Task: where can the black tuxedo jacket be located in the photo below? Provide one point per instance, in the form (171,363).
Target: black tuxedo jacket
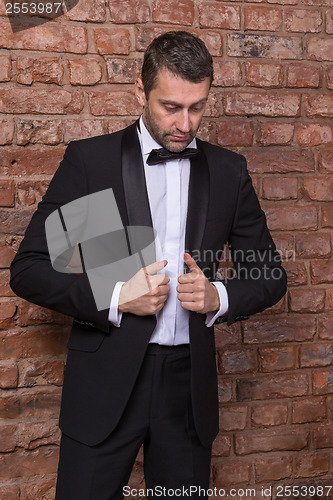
(103,361)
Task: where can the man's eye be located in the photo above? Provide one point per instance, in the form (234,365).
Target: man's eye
(171,108)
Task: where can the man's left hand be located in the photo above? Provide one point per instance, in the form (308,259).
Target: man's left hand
(195,292)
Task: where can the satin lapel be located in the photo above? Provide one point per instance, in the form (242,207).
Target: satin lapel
(134,181)
(198,199)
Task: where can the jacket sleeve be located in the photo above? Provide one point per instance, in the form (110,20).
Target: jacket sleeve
(260,280)
(32,275)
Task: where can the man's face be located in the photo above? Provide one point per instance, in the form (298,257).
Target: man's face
(174,109)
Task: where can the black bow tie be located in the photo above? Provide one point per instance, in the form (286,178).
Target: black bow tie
(161,155)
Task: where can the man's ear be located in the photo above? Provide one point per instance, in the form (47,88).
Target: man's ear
(140,92)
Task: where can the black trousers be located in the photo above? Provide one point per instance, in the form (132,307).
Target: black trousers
(159,416)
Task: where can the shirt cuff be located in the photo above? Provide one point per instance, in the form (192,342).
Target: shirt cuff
(211,317)
(114,315)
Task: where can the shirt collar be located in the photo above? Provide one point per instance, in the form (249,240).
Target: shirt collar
(148,142)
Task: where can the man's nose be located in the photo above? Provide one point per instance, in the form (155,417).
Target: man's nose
(183,122)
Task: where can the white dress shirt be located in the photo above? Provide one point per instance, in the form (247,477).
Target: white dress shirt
(167,187)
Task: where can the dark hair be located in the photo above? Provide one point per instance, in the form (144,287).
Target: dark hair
(180,52)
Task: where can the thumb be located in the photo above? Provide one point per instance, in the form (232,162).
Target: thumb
(155,267)
(190,262)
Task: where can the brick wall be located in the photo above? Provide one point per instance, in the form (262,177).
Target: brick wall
(272,100)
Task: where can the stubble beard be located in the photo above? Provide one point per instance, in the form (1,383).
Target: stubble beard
(164,138)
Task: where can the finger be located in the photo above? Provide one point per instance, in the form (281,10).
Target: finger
(187,278)
(190,262)
(155,267)
(185,288)
(186,297)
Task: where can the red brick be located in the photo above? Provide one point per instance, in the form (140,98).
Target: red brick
(234,133)
(40,403)
(267,46)
(233,418)
(329,21)
(303,75)
(217,15)
(323,382)
(6,254)
(7,438)
(173,11)
(123,70)
(31,192)
(327,216)
(115,124)
(227,74)
(273,359)
(41,69)
(214,104)
(31,314)
(225,390)
(84,71)
(6,132)
(264,75)
(41,488)
(82,129)
(330,299)
(279,160)
(88,10)
(14,222)
(316,355)
(303,20)
(38,132)
(321,271)
(30,161)
(269,414)
(320,49)
(5,68)
(227,336)
(296,273)
(262,18)
(231,473)
(308,410)
(129,11)
(7,313)
(9,491)
(43,373)
(286,329)
(221,446)
(113,103)
(31,435)
(318,189)
(325,327)
(7,193)
(311,465)
(313,245)
(329,77)
(245,103)
(26,463)
(283,188)
(207,131)
(213,42)
(273,469)
(238,361)
(310,300)
(112,40)
(326,161)
(270,440)
(5,289)
(285,246)
(273,386)
(9,375)
(291,218)
(54,37)
(21,100)
(276,133)
(314,135)
(34,341)
(323,436)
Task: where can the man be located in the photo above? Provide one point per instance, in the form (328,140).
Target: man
(143,370)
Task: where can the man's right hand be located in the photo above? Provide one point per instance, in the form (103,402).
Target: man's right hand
(146,292)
